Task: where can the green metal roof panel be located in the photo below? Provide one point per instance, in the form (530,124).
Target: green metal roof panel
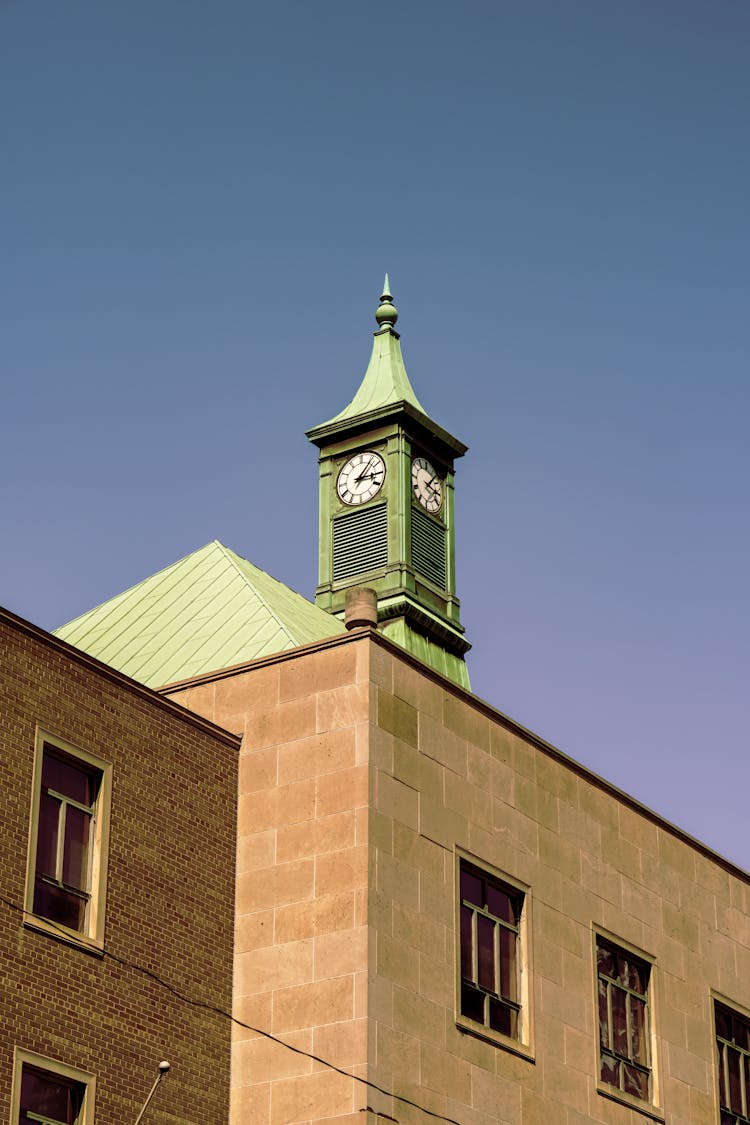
(208,611)
(385,382)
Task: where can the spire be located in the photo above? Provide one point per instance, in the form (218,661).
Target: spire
(386,314)
(385,382)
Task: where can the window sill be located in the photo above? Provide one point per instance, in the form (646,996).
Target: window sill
(523,1050)
(615,1095)
(63,934)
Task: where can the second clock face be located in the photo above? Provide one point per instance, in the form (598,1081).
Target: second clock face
(361,478)
(427,485)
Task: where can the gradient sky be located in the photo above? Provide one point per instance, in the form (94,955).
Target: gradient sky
(199,202)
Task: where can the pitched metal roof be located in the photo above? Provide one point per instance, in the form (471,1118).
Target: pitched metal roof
(208,611)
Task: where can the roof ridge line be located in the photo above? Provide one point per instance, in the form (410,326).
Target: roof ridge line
(272,612)
(133,586)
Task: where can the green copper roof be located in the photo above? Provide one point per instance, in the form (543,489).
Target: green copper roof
(385,390)
(208,611)
(385,381)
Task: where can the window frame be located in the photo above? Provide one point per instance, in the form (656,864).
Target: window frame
(92,935)
(736,1011)
(56,1069)
(651,1107)
(522,1043)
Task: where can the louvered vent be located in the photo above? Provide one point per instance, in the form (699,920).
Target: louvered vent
(428,547)
(360,542)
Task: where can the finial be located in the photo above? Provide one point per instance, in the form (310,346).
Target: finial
(386,313)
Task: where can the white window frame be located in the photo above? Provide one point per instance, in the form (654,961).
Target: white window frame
(55,1069)
(92,936)
(523,1043)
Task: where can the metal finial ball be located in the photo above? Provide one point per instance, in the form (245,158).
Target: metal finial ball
(386,313)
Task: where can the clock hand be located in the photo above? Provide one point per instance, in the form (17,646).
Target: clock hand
(363,474)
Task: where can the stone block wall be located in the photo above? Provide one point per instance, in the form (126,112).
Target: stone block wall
(451,775)
(363,778)
(302,878)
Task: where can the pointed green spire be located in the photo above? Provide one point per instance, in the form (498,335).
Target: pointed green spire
(385,382)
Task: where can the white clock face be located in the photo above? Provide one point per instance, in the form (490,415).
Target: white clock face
(361,478)
(427,485)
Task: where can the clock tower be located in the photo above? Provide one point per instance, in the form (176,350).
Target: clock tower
(386,508)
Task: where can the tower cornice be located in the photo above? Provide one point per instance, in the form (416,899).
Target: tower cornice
(421,425)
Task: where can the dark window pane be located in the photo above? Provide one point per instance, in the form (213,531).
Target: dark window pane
(741,1033)
(619,1022)
(605,960)
(68,779)
(49,1096)
(76,853)
(59,905)
(503,1018)
(634,974)
(46,841)
(603,1015)
(471,888)
(489,959)
(508,975)
(638,1030)
(472,1003)
(723,1076)
(735,1086)
(500,904)
(486,948)
(610,1070)
(635,1082)
(723,1023)
(467,945)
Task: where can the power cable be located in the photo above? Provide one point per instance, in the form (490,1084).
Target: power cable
(124,963)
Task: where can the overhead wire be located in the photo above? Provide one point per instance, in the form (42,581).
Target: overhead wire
(219,1011)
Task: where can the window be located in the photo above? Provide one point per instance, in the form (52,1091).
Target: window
(733,1051)
(490,957)
(49,1098)
(67,857)
(624,1036)
(50,1093)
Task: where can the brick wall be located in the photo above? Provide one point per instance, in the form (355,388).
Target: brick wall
(170,890)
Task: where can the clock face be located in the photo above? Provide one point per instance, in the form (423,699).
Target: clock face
(361,478)
(427,485)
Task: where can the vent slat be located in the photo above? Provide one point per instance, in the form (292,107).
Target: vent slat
(428,547)
(360,542)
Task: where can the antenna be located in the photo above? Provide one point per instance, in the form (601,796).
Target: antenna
(162,1072)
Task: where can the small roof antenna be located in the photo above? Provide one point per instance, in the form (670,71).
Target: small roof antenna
(162,1072)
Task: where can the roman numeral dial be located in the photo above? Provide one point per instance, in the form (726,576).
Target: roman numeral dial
(427,485)
(360,478)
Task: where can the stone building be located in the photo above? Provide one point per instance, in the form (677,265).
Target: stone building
(439,916)
(117,901)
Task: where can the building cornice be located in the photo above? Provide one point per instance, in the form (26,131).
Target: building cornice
(358,635)
(21,625)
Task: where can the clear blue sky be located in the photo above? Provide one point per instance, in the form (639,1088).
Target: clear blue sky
(199,201)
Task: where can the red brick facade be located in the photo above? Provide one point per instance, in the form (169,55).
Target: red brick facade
(169,890)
